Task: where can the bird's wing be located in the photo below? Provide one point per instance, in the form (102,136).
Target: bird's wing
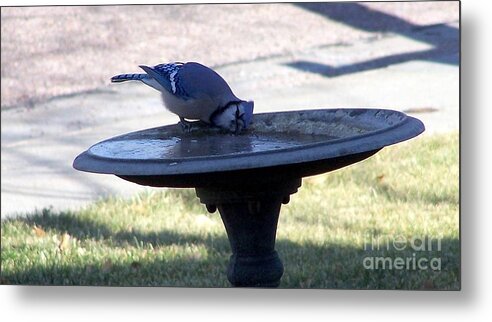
(200,81)
(167,75)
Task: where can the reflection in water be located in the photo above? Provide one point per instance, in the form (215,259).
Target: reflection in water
(158,147)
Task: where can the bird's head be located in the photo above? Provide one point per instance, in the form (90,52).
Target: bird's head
(234,117)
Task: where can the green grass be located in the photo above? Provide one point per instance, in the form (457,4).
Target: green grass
(167,238)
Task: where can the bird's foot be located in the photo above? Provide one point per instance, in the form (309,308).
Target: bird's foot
(185,125)
(189,127)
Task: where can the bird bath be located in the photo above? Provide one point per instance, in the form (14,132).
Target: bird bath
(247,177)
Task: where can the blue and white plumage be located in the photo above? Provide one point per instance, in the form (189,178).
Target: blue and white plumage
(196,92)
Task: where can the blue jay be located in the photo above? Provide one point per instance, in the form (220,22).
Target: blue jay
(196,92)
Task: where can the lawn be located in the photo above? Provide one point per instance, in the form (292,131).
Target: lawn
(389,222)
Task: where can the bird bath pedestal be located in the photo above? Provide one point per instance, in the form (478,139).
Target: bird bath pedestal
(247,177)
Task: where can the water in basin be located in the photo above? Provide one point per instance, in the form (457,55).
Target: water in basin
(270,132)
(188,146)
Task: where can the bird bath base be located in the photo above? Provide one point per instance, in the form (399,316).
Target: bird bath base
(248,177)
(250,216)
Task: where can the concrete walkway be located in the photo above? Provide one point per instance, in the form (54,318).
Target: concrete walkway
(391,70)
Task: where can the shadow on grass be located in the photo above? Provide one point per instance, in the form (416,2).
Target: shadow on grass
(83,228)
(307,265)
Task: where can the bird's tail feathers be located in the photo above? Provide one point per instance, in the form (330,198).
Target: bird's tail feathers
(128,77)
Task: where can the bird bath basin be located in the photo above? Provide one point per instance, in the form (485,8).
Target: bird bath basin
(247,177)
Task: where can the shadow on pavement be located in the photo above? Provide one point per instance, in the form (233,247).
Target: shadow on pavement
(444,39)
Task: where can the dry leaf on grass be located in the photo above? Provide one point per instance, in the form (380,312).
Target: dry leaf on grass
(39,231)
(135,266)
(428,284)
(89,269)
(65,242)
(107,266)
